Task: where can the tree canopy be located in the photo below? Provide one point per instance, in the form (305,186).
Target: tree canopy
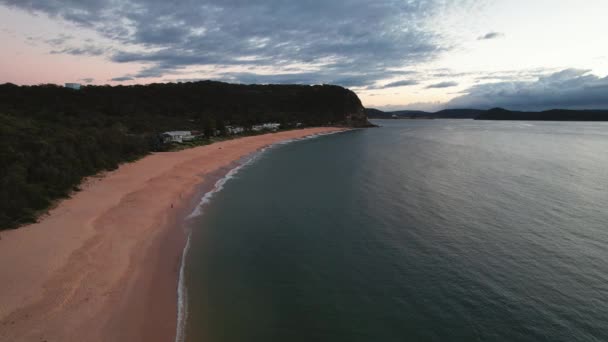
(52,137)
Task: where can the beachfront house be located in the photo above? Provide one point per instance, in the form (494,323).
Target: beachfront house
(235,129)
(177,136)
(270,126)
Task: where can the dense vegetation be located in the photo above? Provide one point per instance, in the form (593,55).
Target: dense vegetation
(51,137)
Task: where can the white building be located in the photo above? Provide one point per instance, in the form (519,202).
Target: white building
(177,136)
(75,86)
(235,129)
(270,126)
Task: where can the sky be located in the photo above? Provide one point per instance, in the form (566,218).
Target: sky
(395,54)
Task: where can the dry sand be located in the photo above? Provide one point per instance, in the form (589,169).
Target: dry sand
(103,265)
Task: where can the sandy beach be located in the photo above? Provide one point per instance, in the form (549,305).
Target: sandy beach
(103,265)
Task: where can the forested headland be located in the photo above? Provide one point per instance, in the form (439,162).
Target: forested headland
(52,137)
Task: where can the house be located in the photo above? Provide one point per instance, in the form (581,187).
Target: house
(75,86)
(270,126)
(235,129)
(177,136)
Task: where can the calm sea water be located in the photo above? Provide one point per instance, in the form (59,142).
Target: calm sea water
(439,230)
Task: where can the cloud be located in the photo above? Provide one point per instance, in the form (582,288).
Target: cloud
(491,35)
(442,85)
(567,89)
(122,79)
(422,106)
(356,42)
(446,72)
(402,83)
(87,80)
(342,78)
(59,40)
(86,50)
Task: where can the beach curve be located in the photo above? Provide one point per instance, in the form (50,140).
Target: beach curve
(104,264)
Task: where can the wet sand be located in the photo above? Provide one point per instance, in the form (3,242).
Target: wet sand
(103,265)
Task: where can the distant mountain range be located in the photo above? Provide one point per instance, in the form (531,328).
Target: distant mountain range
(493,114)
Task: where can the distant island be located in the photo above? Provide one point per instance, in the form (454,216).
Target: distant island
(54,136)
(494,114)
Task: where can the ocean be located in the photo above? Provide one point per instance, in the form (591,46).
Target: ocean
(419,230)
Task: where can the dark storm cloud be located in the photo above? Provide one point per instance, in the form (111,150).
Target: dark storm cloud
(347,40)
(568,89)
(491,35)
(442,85)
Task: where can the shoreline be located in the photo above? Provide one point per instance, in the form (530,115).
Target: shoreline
(104,265)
